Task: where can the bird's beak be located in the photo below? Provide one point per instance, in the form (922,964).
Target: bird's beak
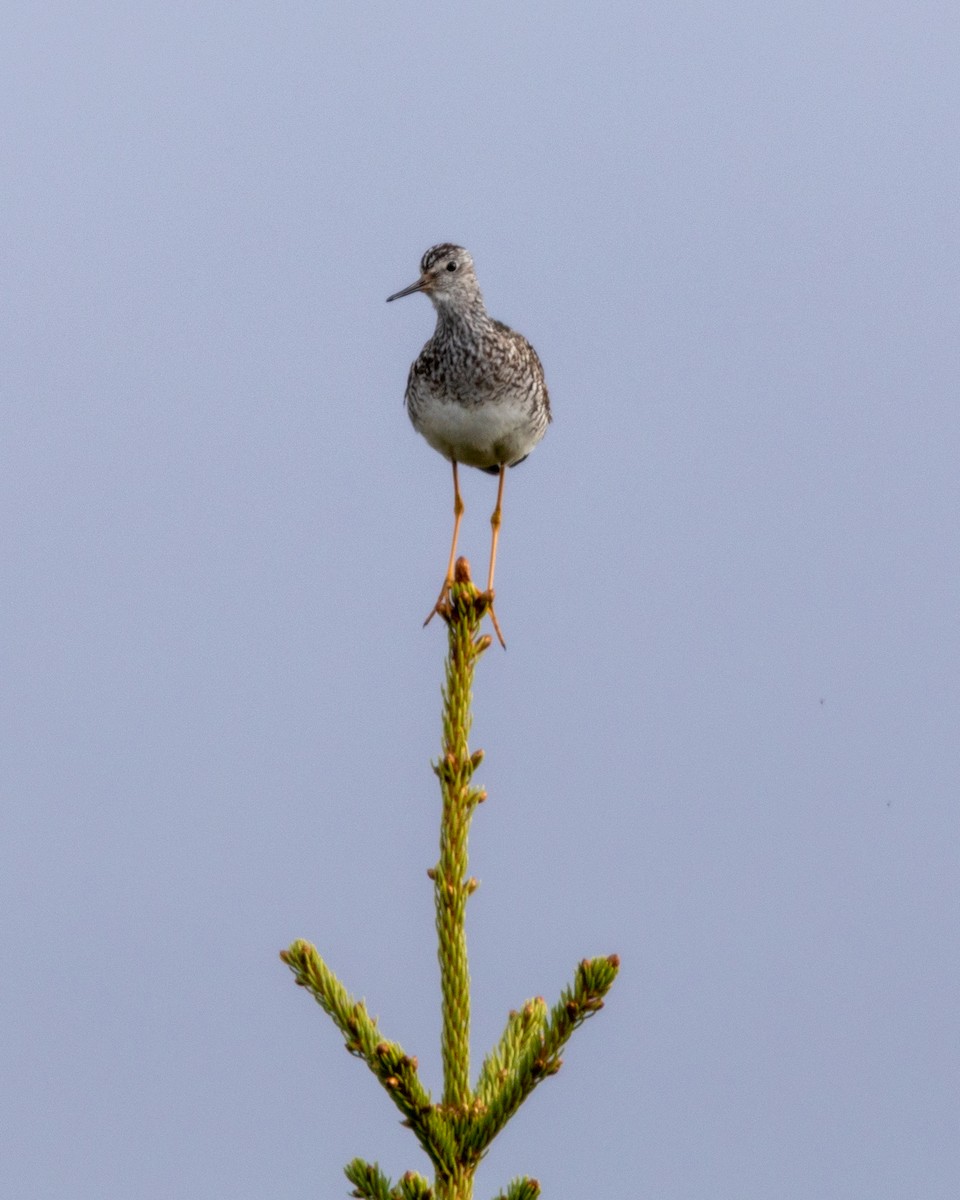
(422,282)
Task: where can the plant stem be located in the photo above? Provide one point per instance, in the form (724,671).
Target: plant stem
(463,613)
(456,1133)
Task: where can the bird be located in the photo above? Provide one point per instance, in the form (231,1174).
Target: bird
(476,392)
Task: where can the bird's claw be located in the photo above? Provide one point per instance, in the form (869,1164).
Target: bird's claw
(487,598)
(442,606)
(483,601)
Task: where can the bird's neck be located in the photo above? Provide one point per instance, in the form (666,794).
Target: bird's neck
(460,322)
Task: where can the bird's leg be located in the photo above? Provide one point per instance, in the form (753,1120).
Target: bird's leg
(458,510)
(495,522)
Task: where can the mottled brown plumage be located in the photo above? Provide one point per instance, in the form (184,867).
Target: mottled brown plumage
(476,392)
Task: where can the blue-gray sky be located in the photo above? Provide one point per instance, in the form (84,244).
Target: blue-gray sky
(724,738)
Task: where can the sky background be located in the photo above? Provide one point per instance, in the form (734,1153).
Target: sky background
(723,741)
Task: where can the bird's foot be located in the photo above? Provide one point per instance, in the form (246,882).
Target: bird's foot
(482,600)
(487,597)
(442,605)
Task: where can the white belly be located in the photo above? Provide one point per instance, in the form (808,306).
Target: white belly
(481,435)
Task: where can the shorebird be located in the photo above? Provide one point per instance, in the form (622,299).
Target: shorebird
(476,392)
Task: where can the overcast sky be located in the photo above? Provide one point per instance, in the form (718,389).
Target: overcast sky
(723,740)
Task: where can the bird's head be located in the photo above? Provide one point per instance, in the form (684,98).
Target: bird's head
(446,276)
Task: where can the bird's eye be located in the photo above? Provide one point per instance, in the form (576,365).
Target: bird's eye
(451,266)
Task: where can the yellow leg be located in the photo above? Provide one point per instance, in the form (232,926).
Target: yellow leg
(495,523)
(458,511)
